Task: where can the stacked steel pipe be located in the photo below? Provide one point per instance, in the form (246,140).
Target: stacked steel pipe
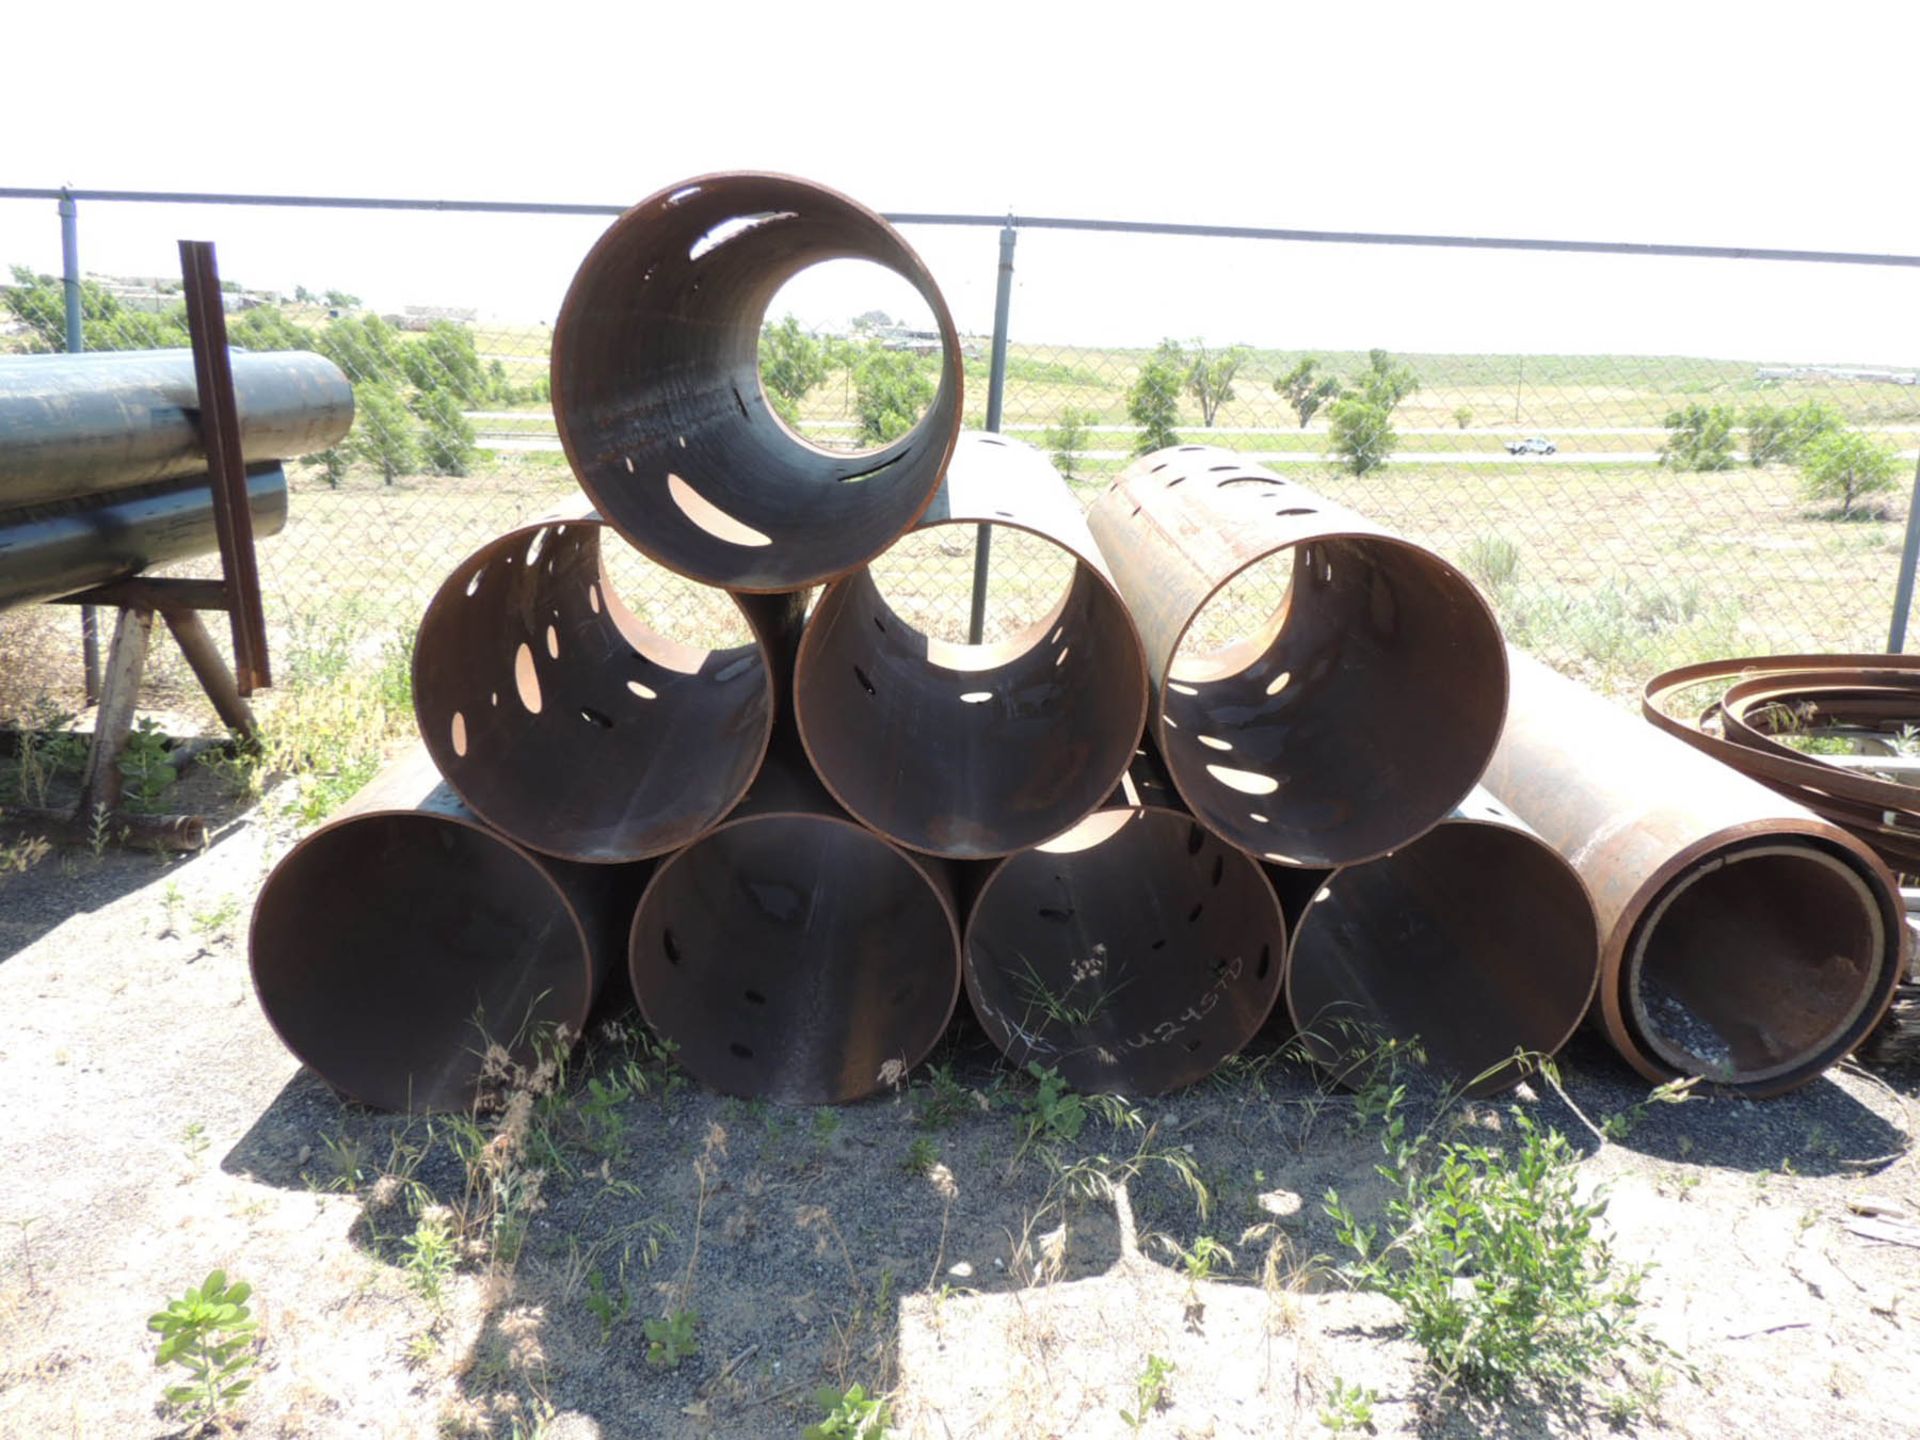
(804,847)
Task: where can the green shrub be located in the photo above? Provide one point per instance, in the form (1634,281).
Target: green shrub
(1845,465)
(1699,437)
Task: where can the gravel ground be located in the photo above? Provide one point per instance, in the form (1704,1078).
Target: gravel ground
(155,1129)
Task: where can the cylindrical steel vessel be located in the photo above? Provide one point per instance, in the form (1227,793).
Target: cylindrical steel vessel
(1134,953)
(1747,941)
(1477,940)
(793,954)
(394,946)
(49,552)
(77,425)
(656,387)
(972,751)
(1362,710)
(569,725)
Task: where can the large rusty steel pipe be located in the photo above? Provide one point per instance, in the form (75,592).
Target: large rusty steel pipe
(1134,953)
(570,726)
(1357,715)
(792,954)
(657,396)
(77,425)
(396,944)
(1477,940)
(1747,940)
(972,751)
(49,552)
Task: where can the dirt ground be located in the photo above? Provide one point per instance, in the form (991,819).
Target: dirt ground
(156,1129)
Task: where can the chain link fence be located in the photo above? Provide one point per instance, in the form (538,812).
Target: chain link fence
(1622,512)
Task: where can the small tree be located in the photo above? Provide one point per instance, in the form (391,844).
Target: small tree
(447,438)
(1066,438)
(444,359)
(365,347)
(383,431)
(1361,432)
(1386,381)
(1782,433)
(1700,437)
(1211,378)
(341,300)
(1306,392)
(891,391)
(1463,417)
(1154,401)
(1845,465)
(266,327)
(792,362)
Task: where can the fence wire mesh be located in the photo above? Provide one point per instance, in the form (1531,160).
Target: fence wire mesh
(1622,512)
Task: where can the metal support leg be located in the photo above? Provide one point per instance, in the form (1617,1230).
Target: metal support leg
(996,398)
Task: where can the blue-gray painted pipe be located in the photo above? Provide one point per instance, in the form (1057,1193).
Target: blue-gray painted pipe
(44,556)
(79,425)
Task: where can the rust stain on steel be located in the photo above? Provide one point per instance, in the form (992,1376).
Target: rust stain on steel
(1357,716)
(973,751)
(1747,940)
(657,397)
(1134,953)
(569,725)
(397,942)
(1737,725)
(1478,940)
(792,954)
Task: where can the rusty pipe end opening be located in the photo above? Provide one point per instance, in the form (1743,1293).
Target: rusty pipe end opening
(1761,964)
(1134,954)
(1353,720)
(658,400)
(970,751)
(392,950)
(566,723)
(1476,942)
(795,957)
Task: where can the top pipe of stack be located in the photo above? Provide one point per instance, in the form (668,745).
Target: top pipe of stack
(1346,722)
(80,425)
(657,395)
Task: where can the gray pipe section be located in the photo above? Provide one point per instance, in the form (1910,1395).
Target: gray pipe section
(77,425)
(44,556)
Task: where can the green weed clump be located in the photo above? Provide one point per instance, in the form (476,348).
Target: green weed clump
(209,1333)
(1499,1265)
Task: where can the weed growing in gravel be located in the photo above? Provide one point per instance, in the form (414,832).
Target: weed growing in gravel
(922,1155)
(429,1255)
(852,1414)
(1054,1115)
(146,767)
(209,1333)
(942,1100)
(671,1338)
(1348,1407)
(1149,1392)
(1497,1264)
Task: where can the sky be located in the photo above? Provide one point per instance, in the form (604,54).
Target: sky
(1751,124)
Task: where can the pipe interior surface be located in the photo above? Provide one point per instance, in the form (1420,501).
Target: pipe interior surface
(970,751)
(389,949)
(1477,940)
(791,956)
(1354,719)
(1754,960)
(565,722)
(1134,954)
(658,401)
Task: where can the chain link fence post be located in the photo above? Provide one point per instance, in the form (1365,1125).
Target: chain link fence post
(76,342)
(996,401)
(1909,554)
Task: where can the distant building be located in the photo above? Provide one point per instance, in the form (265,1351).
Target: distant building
(1836,372)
